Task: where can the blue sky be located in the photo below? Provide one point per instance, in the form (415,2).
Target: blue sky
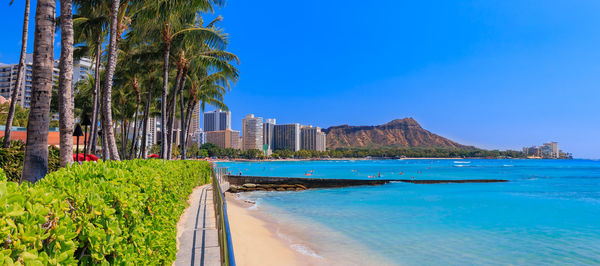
(494,74)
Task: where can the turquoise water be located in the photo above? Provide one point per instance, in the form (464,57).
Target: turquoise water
(549,212)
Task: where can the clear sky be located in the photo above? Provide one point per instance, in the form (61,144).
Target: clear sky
(494,74)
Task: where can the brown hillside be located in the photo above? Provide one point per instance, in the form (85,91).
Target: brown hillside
(399,133)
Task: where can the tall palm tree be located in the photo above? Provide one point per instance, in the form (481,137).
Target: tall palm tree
(165,20)
(35,164)
(136,87)
(107,122)
(20,75)
(90,29)
(65,80)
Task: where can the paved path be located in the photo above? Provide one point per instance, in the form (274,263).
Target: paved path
(199,243)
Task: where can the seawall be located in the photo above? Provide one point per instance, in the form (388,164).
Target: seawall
(267,183)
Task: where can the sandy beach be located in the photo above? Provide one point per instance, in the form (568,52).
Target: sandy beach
(255,242)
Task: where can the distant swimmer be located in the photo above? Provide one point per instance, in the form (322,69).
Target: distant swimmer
(412,177)
(400,173)
(378,174)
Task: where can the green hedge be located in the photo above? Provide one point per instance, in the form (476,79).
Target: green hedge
(98,213)
(11,159)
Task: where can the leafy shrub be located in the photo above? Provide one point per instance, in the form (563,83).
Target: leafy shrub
(98,213)
(11,159)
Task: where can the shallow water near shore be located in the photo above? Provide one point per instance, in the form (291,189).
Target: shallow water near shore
(549,212)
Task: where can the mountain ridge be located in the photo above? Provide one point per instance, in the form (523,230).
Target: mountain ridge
(398,133)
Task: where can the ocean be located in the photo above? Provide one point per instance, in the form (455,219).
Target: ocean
(548,212)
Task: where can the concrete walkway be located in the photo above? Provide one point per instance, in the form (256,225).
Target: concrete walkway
(198,242)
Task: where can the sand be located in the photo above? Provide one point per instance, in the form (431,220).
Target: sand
(254,242)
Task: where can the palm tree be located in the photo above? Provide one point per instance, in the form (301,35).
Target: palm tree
(65,81)
(35,164)
(107,122)
(20,71)
(165,21)
(90,28)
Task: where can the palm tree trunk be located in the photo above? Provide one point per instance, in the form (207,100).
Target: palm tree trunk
(146,116)
(124,125)
(135,128)
(172,109)
(111,144)
(91,148)
(163,104)
(35,164)
(20,75)
(182,115)
(65,80)
(188,120)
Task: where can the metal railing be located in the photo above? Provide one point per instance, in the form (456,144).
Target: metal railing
(225,242)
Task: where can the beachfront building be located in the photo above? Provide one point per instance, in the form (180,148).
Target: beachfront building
(550,150)
(312,138)
(224,138)
(532,151)
(8,77)
(286,137)
(252,133)
(547,151)
(217,121)
(268,127)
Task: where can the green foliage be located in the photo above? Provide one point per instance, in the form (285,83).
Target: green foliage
(252,154)
(21,115)
(54,123)
(202,153)
(212,149)
(98,213)
(2,175)
(11,159)
(195,151)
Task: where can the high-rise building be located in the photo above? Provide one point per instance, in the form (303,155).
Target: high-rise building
(224,138)
(217,120)
(268,127)
(8,77)
(286,137)
(311,138)
(547,150)
(195,123)
(199,137)
(252,133)
(551,150)
(153,135)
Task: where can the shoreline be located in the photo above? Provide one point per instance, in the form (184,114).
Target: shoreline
(331,159)
(258,241)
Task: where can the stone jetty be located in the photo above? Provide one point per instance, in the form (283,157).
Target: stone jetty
(267,183)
